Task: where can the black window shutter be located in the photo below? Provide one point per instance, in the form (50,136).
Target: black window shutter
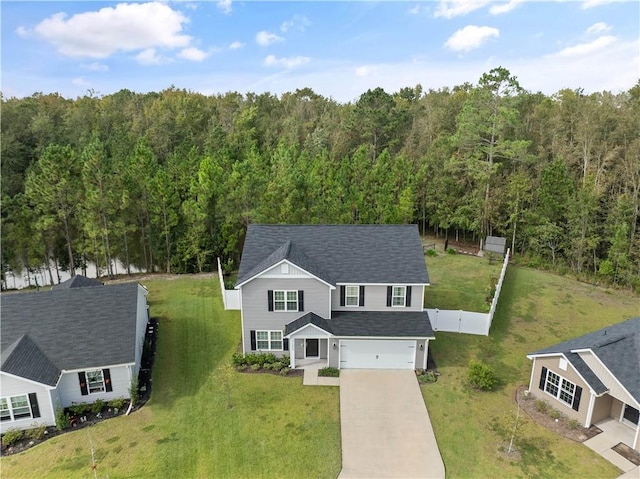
(270,300)
(285,344)
(361,296)
(389,293)
(408,297)
(300,300)
(342,295)
(253,340)
(576,398)
(106,375)
(33,400)
(82,378)
(543,378)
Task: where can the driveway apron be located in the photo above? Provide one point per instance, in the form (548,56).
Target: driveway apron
(386,430)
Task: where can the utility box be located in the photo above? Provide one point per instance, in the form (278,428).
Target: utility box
(495,244)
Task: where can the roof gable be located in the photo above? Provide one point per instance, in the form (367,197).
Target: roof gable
(68,328)
(383,254)
(617,347)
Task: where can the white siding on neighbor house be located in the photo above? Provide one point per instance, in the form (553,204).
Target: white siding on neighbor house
(142,318)
(375,299)
(255,310)
(278,271)
(13,386)
(615,389)
(69,386)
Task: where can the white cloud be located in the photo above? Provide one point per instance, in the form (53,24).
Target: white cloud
(363,71)
(417,9)
(583,49)
(80,81)
(455,8)
(470,37)
(193,54)
(286,62)
(501,8)
(22,32)
(125,27)
(299,22)
(236,46)
(265,38)
(224,5)
(596,3)
(151,57)
(96,67)
(599,27)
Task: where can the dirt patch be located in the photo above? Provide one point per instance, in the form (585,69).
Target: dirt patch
(628,453)
(552,420)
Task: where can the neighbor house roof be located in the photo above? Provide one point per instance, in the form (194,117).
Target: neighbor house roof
(617,347)
(78,281)
(383,254)
(46,332)
(381,324)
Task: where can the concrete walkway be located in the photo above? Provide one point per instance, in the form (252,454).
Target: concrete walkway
(612,433)
(311,378)
(386,430)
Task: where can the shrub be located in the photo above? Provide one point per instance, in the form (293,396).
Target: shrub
(431,252)
(11,436)
(62,419)
(329,372)
(134,391)
(252,358)
(36,433)
(285,359)
(573,423)
(555,414)
(268,358)
(238,359)
(97,406)
(542,405)
(482,376)
(284,371)
(269,366)
(79,408)
(277,366)
(451,251)
(228,284)
(117,403)
(255,367)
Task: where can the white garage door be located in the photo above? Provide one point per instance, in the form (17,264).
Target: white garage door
(377,354)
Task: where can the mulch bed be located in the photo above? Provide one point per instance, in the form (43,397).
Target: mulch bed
(628,453)
(293,373)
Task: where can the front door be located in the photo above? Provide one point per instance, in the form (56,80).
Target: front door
(312,348)
(631,415)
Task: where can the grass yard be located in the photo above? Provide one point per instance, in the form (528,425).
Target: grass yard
(536,309)
(460,281)
(274,427)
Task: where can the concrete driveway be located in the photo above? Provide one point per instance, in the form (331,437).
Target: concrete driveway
(386,430)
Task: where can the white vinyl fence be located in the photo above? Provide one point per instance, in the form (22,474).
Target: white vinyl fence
(458,321)
(230,297)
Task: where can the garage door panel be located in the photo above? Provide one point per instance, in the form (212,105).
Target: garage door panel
(377,354)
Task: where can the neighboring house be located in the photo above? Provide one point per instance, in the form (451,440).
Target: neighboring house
(349,296)
(593,377)
(79,342)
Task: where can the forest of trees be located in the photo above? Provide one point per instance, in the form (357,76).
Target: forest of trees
(168,181)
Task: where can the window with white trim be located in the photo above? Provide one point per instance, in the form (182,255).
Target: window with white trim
(95,381)
(560,388)
(16,407)
(352,295)
(269,340)
(285,300)
(399,295)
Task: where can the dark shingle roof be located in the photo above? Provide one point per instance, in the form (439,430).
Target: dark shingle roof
(408,324)
(78,281)
(617,346)
(338,253)
(48,331)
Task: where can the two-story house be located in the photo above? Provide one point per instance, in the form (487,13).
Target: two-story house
(350,296)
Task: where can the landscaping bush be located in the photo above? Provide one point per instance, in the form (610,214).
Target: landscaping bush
(12,436)
(97,406)
(542,405)
(117,403)
(482,376)
(329,372)
(134,391)
(254,358)
(284,371)
(431,252)
(255,367)
(555,414)
(238,359)
(36,433)
(426,376)
(277,366)
(269,366)
(573,423)
(79,408)
(451,251)
(62,419)
(285,359)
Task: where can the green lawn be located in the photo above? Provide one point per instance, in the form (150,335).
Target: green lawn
(536,309)
(274,428)
(459,281)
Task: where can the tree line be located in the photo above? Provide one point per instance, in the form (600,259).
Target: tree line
(167,181)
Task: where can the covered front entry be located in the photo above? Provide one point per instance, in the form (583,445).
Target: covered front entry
(377,354)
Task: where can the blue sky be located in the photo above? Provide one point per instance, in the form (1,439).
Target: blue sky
(340,49)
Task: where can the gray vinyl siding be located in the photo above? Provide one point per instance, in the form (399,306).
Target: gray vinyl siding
(69,387)
(375,299)
(255,313)
(12,386)
(142,318)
